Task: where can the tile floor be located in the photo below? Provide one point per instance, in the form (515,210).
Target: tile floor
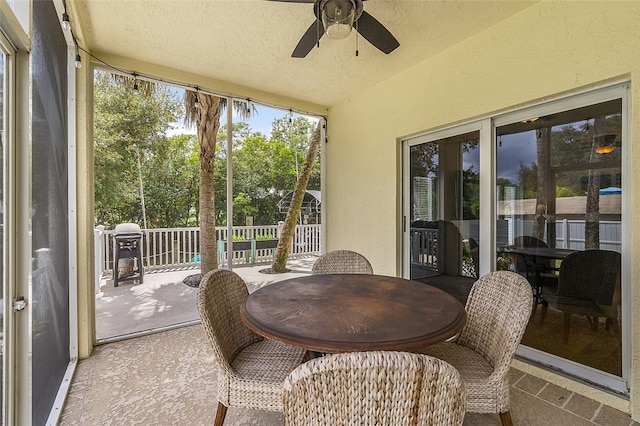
(169,377)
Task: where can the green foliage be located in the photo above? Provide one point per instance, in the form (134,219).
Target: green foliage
(528,177)
(243,206)
(264,170)
(503,263)
(563,191)
(128,126)
(170,179)
(571,147)
(471,194)
(265,237)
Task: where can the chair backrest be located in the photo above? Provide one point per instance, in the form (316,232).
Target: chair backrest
(342,262)
(219,297)
(531,241)
(498,310)
(590,274)
(374,388)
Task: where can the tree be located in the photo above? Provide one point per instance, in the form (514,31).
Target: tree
(592,214)
(289,227)
(203,110)
(171,183)
(264,169)
(125,125)
(243,207)
(296,135)
(544,181)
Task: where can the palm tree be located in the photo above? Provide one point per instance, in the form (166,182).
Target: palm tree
(543,138)
(592,215)
(205,114)
(203,110)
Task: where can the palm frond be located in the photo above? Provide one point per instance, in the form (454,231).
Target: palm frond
(192,109)
(144,87)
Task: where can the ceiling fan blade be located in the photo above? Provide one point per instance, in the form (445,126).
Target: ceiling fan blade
(375,33)
(295,1)
(308,40)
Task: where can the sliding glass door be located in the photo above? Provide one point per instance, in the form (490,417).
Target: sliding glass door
(443,202)
(560,186)
(554,208)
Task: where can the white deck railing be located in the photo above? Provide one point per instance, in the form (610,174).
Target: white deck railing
(164,248)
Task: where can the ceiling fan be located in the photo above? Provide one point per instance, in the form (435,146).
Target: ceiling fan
(336,18)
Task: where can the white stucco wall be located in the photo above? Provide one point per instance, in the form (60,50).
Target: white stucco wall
(549,49)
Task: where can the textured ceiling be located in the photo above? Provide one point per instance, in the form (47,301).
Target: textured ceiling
(249,42)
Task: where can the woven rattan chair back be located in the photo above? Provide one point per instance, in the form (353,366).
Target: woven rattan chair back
(498,310)
(219,297)
(342,262)
(374,388)
(251,369)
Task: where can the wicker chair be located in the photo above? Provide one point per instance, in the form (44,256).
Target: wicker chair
(498,310)
(251,369)
(342,262)
(374,388)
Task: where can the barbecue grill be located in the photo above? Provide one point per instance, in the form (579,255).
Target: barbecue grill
(127,246)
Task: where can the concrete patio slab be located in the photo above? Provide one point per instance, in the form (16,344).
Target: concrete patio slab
(162,301)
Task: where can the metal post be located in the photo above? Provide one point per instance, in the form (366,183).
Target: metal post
(144,212)
(98,235)
(229,184)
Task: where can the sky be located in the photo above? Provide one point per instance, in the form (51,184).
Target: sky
(515,149)
(260,122)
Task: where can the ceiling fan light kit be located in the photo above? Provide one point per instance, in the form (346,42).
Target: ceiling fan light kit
(336,18)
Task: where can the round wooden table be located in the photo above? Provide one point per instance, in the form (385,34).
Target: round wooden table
(352,312)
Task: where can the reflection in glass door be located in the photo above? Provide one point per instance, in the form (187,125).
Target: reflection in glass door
(559,224)
(444,202)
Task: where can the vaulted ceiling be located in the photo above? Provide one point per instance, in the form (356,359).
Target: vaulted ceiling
(248,43)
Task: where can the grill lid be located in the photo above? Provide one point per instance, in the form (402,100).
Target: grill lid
(128,229)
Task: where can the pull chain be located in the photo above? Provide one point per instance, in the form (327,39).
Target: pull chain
(356,38)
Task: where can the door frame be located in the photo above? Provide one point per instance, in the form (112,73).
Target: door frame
(448,132)
(487,262)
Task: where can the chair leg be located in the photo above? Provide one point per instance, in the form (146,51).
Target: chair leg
(506,418)
(220,414)
(543,314)
(613,322)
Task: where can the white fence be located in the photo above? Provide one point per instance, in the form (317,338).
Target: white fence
(425,251)
(165,248)
(570,233)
